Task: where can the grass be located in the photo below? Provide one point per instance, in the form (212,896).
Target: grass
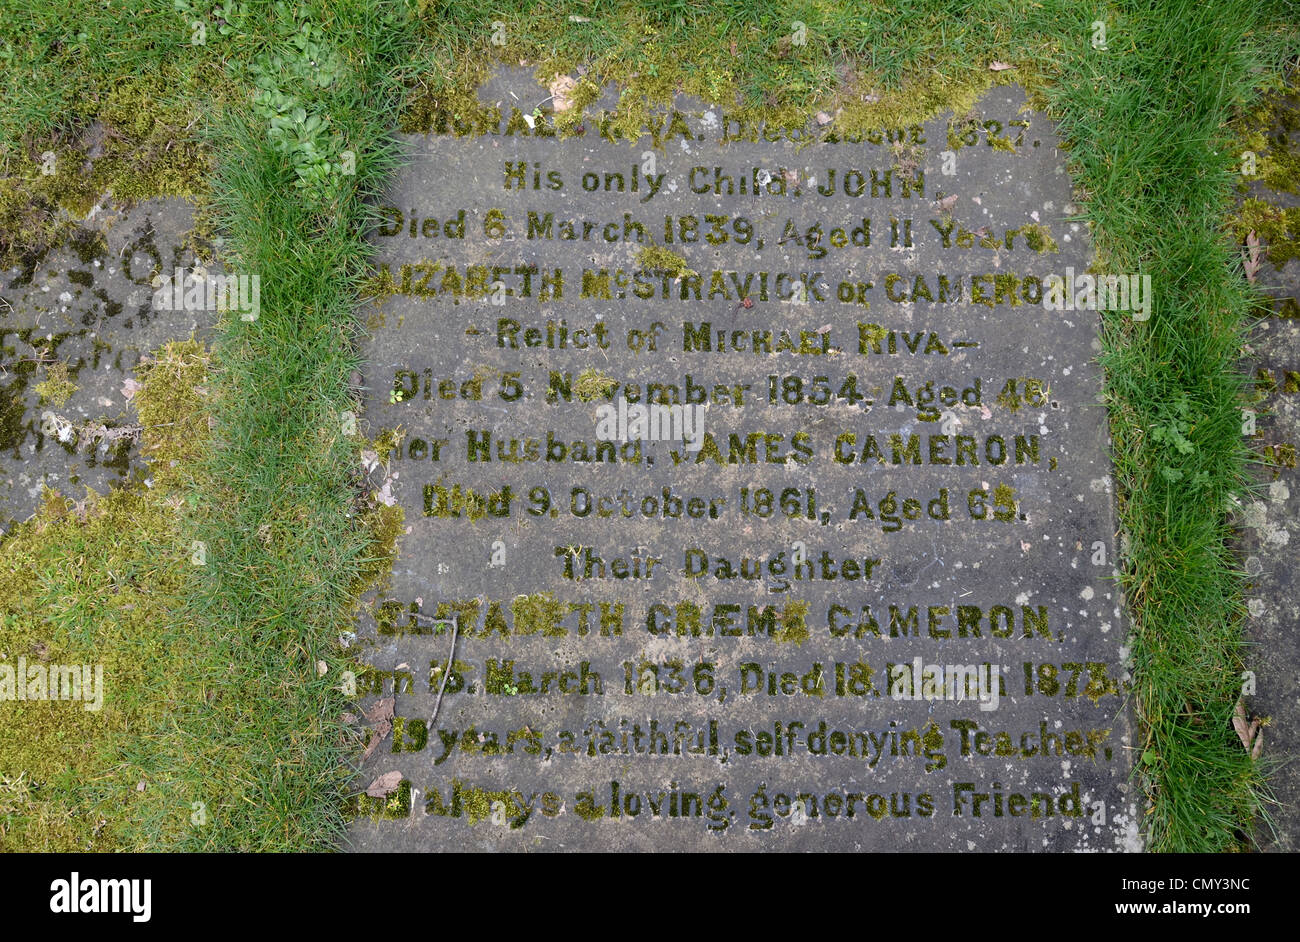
(1149,140)
(95,582)
(274,506)
(247,729)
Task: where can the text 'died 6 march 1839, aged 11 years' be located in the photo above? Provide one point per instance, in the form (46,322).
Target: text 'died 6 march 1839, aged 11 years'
(760,484)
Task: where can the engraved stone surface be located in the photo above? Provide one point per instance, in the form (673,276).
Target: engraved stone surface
(83,318)
(854,590)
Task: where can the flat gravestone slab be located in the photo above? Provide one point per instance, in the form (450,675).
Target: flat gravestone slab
(88,310)
(859,597)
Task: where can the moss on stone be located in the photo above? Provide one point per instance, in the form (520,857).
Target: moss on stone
(592,384)
(478,804)
(794,624)
(1264,132)
(13,412)
(539,613)
(658,258)
(56,389)
(128,144)
(572,121)
(1039,238)
(173,409)
(446,100)
(1276,227)
(385,525)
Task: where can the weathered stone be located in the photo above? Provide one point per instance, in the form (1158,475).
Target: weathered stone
(1267,522)
(87,309)
(900,459)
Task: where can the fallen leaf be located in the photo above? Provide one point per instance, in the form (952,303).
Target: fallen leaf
(996,66)
(1251,263)
(1241,724)
(381,710)
(374,742)
(385,785)
(381,715)
(561,91)
(1249,730)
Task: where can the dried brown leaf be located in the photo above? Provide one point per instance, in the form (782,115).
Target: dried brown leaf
(381,710)
(381,716)
(562,92)
(1241,724)
(385,785)
(1251,263)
